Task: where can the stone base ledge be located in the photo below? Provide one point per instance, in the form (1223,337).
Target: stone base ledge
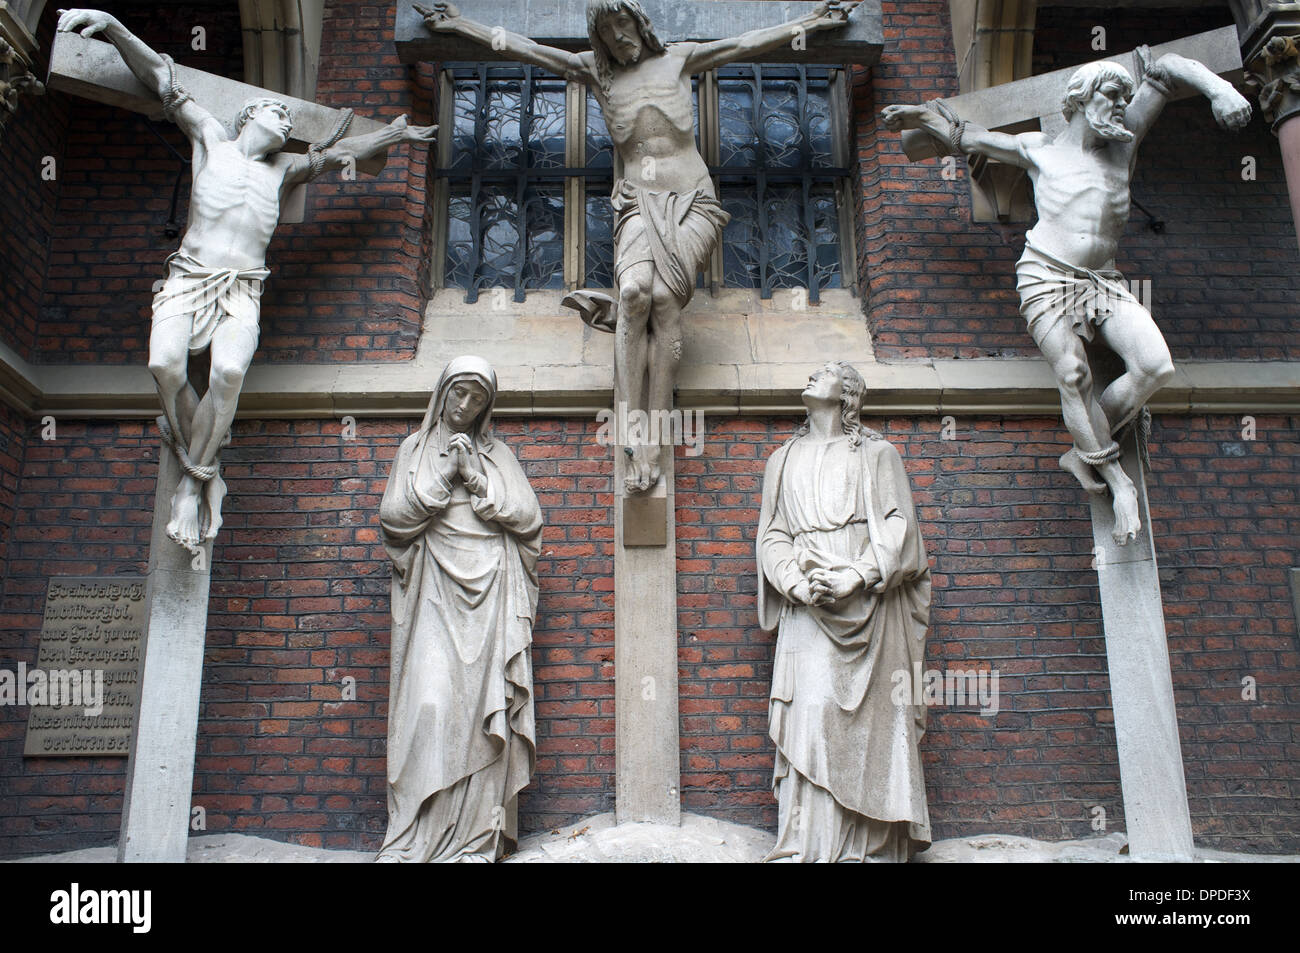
(742,356)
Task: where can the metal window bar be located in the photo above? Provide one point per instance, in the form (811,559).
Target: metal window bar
(478,175)
(805,176)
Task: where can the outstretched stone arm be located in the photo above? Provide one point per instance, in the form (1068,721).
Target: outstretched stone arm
(1231,109)
(348,152)
(446,18)
(956,136)
(149,68)
(738,49)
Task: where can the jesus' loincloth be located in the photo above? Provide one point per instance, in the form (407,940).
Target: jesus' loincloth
(1052,290)
(209,297)
(677,232)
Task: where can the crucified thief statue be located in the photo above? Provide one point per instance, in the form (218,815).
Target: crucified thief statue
(1070,292)
(211,298)
(667,216)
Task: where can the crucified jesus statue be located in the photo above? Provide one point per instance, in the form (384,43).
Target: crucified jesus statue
(1070,292)
(212,296)
(667,216)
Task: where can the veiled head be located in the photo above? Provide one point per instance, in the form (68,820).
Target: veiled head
(460,385)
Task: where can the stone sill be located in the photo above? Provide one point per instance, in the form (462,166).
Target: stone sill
(743,356)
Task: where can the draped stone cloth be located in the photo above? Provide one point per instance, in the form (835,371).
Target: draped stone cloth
(1052,290)
(461,730)
(848,773)
(209,297)
(677,232)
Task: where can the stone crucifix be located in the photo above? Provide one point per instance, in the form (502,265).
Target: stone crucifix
(1071,296)
(1108,357)
(211,298)
(641,78)
(668,219)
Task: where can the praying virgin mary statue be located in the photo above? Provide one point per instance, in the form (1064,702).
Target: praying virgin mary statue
(463,528)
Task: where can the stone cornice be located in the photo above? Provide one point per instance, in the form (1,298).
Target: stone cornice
(996,387)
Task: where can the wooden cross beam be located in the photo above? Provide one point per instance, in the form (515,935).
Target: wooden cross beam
(1038,98)
(94,70)
(564,25)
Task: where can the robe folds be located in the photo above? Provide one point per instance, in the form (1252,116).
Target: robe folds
(848,771)
(461,741)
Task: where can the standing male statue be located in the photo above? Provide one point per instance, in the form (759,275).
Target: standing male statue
(1070,292)
(211,298)
(667,216)
(844,579)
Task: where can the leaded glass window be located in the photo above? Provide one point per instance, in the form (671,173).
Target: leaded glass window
(779,178)
(773,137)
(505,206)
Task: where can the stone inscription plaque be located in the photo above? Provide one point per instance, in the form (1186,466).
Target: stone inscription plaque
(85,689)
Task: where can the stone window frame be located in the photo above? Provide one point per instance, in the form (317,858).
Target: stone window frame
(577,104)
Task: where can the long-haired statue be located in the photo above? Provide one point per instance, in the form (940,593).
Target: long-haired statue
(844,580)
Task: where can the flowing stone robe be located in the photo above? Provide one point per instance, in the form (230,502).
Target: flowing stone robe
(461,730)
(848,773)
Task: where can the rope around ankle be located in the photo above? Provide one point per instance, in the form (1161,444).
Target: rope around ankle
(202,474)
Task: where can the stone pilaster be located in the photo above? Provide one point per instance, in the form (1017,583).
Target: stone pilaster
(1270,49)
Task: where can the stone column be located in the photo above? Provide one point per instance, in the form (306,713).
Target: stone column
(160,769)
(1269,31)
(647,756)
(1151,777)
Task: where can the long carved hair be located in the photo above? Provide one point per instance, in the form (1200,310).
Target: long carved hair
(596,10)
(852,387)
(1087,79)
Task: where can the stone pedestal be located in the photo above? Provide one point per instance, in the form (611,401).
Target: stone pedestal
(1142,692)
(647,759)
(160,771)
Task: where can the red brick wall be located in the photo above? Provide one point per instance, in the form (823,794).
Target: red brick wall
(1010,542)
(13,440)
(347,284)
(300,600)
(1225,273)
(83,507)
(28,210)
(300,582)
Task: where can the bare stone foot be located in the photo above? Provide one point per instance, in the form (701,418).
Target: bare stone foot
(214,493)
(652,460)
(1083,472)
(643,469)
(636,478)
(184,526)
(1127,522)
